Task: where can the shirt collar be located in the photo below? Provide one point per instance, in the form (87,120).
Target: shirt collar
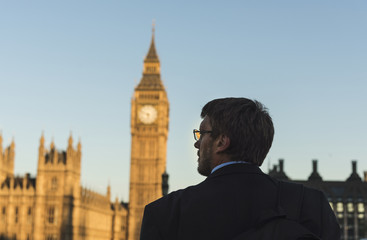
(227,163)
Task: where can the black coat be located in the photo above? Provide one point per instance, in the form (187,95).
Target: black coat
(228,202)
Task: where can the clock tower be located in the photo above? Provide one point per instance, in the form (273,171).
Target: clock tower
(149,131)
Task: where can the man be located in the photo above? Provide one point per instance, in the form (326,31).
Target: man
(233,141)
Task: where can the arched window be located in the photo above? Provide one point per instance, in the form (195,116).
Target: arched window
(3,214)
(16,214)
(29,215)
(51,215)
(54,183)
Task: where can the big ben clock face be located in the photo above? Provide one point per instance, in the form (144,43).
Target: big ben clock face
(147,114)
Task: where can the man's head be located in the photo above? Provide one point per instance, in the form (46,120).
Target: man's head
(242,130)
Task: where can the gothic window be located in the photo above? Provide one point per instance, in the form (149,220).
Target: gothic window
(16,214)
(140,198)
(51,237)
(3,214)
(142,149)
(350,207)
(151,69)
(339,207)
(51,215)
(29,215)
(360,207)
(140,173)
(152,148)
(54,183)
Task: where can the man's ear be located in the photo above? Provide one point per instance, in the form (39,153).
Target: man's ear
(222,143)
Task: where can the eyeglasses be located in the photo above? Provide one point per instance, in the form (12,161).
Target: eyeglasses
(198,133)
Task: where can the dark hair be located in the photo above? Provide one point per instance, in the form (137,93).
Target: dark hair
(247,124)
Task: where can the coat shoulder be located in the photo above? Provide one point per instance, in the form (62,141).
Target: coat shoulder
(172,199)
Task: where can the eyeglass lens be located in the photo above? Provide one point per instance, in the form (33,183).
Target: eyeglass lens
(197,135)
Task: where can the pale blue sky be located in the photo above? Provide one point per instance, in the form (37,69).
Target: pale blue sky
(72,66)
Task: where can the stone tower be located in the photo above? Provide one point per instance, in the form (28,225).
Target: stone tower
(57,192)
(149,131)
(6,160)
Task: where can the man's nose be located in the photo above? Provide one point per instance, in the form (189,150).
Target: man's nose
(196,144)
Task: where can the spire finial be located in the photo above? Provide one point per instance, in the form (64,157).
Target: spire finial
(12,145)
(153,27)
(52,145)
(42,140)
(109,191)
(70,139)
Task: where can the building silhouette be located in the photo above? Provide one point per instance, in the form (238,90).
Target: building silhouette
(54,206)
(348,198)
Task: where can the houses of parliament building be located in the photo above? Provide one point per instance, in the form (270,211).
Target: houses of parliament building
(54,205)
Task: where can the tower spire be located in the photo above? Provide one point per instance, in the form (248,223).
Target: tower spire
(151,71)
(152,56)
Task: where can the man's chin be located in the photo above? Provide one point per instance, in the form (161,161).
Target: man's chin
(203,172)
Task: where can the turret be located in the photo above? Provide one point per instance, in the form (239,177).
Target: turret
(109,192)
(12,145)
(354,175)
(70,141)
(41,152)
(1,146)
(315,176)
(59,167)
(278,171)
(79,146)
(79,155)
(7,157)
(73,158)
(165,185)
(11,157)
(1,158)
(52,145)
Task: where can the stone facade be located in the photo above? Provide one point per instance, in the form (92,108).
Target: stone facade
(54,206)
